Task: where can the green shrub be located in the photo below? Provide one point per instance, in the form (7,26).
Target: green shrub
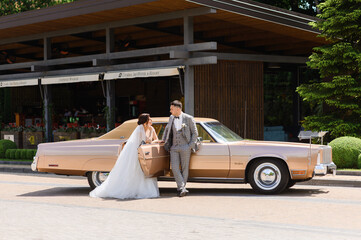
(23,153)
(12,153)
(18,154)
(346,151)
(359,161)
(4,145)
(7,153)
(30,153)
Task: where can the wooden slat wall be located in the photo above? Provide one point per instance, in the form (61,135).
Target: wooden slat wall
(222,90)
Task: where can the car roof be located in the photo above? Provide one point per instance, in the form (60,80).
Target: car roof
(125,129)
(165,119)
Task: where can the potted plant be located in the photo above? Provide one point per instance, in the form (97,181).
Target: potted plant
(66,133)
(13,133)
(88,131)
(32,136)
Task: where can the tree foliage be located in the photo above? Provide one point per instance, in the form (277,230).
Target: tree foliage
(308,7)
(8,7)
(339,65)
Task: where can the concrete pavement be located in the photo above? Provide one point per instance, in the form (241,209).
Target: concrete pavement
(42,206)
(341,179)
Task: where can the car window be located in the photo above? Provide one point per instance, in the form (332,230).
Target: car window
(221,133)
(159,129)
(203,134)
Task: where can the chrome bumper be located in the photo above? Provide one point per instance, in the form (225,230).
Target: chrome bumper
(34,164)
(323,169)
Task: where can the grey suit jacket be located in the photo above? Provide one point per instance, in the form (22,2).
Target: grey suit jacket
(189,131)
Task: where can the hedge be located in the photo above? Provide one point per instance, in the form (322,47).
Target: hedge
(346,151)
(20,154)
(5,145)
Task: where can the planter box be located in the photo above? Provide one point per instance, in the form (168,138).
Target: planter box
(32,139)
(90,135)
(65,136)
(16,137)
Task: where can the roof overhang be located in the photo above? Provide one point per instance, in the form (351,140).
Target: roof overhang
(255,31)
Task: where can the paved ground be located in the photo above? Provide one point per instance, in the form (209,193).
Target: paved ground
(51,207)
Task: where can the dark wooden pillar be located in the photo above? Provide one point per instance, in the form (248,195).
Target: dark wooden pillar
(110,84)
(48,110)
(47,97)
(110,112)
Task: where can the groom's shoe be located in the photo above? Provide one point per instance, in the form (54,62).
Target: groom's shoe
(183,193)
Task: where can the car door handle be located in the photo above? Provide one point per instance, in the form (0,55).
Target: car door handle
(147,153)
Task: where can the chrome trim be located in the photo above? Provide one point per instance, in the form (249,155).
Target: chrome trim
(99,177)
(207,180)
(267,176)
(323,169)
(34,164)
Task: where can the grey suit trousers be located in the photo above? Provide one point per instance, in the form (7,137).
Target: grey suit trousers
(180,157)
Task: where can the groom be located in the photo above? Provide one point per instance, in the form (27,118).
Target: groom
(180,137)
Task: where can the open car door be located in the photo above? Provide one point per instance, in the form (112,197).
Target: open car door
(153,159)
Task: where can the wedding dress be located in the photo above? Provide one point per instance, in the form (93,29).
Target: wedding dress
(126,179)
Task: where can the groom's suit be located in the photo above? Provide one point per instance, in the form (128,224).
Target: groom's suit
(180,143)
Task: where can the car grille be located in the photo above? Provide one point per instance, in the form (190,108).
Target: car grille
(327,155)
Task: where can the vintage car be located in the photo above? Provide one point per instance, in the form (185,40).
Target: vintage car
(224,157)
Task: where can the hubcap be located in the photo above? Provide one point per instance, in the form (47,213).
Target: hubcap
(267,176)
(99,177)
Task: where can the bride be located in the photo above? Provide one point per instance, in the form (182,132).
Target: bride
(126,179)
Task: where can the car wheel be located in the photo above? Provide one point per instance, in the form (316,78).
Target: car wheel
(96,178)
(268,176)
(290,183)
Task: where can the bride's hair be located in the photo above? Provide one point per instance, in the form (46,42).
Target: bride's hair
(143,118)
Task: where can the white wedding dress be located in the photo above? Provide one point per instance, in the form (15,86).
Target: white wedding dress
(126,180)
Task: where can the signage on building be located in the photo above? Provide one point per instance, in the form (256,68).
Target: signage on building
(70,79)
(18,83)
(141,73)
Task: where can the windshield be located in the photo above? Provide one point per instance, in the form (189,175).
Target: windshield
(222,133)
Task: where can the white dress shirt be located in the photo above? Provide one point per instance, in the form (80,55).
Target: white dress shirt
(178,122)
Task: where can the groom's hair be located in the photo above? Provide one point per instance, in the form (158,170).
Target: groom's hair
(176,103)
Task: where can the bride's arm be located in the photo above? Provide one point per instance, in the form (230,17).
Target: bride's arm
(154,135)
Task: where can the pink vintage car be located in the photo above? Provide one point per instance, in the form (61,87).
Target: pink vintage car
(224,157)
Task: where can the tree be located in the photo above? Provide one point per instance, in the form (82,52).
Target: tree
(308,7)
(8,7)
(339,65)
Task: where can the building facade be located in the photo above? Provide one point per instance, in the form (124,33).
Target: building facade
(110,60)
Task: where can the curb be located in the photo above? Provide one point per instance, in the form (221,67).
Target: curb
(331,183)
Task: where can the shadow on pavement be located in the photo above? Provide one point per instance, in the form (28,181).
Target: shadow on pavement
(59,192)
(240,192)
(171,192)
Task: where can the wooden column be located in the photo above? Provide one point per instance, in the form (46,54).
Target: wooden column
(47,95)
(110,84)
(189,70)
(110,94)
(48,109)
